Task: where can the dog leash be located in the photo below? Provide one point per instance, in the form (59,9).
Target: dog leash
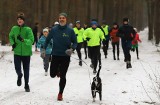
(86,65)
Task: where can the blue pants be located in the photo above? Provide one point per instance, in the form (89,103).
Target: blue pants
(25,60)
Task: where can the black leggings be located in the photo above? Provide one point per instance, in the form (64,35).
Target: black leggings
(85,48)
(78,49)
(137,52)
(105,47)
(114,44)
(60,64)
(95,55)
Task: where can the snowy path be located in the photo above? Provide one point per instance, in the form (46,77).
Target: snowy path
(121,86)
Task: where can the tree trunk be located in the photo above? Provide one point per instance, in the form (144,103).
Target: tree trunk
(157,22)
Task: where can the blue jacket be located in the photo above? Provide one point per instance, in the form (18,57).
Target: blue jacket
(41,43)
(63,39)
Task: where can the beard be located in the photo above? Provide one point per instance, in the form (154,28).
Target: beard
(62,23)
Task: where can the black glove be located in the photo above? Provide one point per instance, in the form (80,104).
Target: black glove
(20,38)
(13,46)
(51,43)
(88,39)
(104,42)
(76,34)
(42,47)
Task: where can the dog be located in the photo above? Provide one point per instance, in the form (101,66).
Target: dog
(96,86)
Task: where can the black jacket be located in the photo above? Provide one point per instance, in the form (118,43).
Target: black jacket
(126,32)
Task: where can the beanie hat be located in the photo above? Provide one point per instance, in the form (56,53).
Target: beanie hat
(70,25)
(45,30)
(125,19)
(56,23)
(78,22)
(21,16)
(63,14)
(104,22)
(94,23)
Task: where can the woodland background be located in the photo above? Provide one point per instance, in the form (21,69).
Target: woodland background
(142,13)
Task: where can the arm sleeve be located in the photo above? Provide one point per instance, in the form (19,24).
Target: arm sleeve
(85,33)
(50,43)
(138,38)
(49,37)
(133,32)
(74,40)
(11,37)
(30,39)
(102,35)
(39,44)
(120,33)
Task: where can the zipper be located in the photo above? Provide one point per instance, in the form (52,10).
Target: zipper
(21,42)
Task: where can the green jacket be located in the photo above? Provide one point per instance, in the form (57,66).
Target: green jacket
(22,48)
(94,36)
(79,34)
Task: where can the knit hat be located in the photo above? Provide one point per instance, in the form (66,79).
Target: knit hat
(21,16)
(45,30)
(63,14)
(56,23)
(104,22)
(125,19)
(78,22)
(94,23)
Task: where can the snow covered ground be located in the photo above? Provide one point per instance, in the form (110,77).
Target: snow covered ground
(121,86)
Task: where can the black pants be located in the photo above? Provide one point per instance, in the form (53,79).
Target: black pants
(85,48)
(126,46)
(114,45)
(105,46)
(25,60)
(95,55)
(60,64)
(35,41)
(78,49)
(137,52)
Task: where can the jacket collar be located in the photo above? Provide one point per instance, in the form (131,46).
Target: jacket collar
(62,27)
(21,26)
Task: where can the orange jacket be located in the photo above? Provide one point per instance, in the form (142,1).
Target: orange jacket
(113,35)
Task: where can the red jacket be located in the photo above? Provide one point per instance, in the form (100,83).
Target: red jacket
(136,39)
(113,35)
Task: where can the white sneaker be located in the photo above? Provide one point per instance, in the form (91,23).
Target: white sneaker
(46,73)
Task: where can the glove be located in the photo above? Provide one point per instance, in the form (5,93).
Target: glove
(104,42)
(42,47)
(20,38)
(88,39)
(13,46)
(50,58)
(69,51)
(43,53)
(51,43)
(76,34)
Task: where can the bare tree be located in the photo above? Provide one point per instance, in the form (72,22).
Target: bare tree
(46,12)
